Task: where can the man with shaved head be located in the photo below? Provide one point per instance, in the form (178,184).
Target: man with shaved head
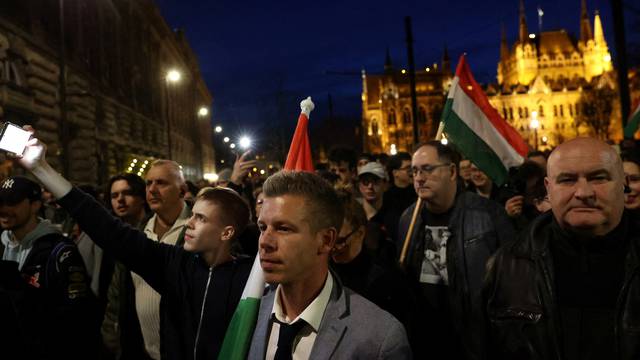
(569,288)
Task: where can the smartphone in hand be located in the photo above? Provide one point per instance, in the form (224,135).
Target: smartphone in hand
(13,138)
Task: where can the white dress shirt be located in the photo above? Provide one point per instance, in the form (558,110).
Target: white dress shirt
(147,299)
(312,315)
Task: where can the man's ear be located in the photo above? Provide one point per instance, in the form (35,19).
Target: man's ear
(546,186)
(227,233)
(454,172)
(183,190)
(327,238)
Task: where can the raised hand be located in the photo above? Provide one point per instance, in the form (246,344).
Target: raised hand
(241,168)
(34,153)
(513,206)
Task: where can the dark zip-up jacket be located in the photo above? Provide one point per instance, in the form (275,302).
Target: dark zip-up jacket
(52,302)
(197,301)
(478,227)
(521,298)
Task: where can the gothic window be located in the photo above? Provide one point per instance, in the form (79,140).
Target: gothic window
(561,111)
(541,110)
(504,112)
(391,120)
(374,127)
(526,112)
(555,110)
(571,109)
(422,115)
(510,113)
(520,112)
(406,116)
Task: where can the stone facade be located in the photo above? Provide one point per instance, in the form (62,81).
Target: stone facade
(115,98)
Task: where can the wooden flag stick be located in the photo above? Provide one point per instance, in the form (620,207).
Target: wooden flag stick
(407,238)
(416,211)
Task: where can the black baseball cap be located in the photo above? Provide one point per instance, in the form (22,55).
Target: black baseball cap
(18,188)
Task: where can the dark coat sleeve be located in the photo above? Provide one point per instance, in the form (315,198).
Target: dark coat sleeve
(504,226)
(149,259)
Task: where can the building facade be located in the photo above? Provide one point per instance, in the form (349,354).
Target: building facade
(553,87)
(99,94)
(387,120)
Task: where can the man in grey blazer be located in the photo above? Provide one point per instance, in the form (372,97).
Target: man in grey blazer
(307,313)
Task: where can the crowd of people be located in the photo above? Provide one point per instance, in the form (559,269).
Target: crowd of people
(411,256)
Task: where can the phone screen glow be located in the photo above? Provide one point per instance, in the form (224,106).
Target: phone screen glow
(14,139)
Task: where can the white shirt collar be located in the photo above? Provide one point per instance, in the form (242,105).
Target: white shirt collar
(313,313)
(182,219)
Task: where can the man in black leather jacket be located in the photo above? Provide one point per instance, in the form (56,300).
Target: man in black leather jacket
(454,236)
(569,287)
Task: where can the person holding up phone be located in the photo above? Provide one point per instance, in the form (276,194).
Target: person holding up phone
(200,283)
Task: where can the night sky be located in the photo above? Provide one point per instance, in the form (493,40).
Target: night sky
(260,58)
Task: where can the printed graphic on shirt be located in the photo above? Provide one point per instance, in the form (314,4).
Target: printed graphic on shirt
(434,264)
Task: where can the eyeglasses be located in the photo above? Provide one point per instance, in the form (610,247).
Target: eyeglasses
(406,168)
(343,239)
(426,169)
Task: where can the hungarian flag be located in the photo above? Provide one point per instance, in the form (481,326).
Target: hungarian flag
(634,121)
(476,129)
(237,340)
(299,157)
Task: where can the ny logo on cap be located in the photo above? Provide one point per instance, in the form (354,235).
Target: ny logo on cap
(8,184)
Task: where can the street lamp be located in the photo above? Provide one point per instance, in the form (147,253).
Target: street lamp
(245,142)
(233,146)
(173,76)
(535,124)
(226,139)
(203,111)
(218,129)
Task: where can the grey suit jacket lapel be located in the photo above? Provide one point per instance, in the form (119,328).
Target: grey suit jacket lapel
(261,333)
(333,324)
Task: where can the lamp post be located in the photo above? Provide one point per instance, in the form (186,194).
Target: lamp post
(173,76)
(535,124)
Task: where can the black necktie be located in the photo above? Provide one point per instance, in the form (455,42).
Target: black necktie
(286,336)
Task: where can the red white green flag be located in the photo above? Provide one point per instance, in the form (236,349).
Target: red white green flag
(477,130)
(237,340)
(634,121)
(299,158)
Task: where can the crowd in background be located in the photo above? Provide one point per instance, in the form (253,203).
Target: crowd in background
(114,313)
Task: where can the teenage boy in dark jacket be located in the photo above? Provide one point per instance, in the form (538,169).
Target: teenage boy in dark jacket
(200,283)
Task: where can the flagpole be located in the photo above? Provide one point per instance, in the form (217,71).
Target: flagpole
(416,211)
(237,340)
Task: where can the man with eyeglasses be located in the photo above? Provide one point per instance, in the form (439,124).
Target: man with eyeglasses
(453,237)
(384,284)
